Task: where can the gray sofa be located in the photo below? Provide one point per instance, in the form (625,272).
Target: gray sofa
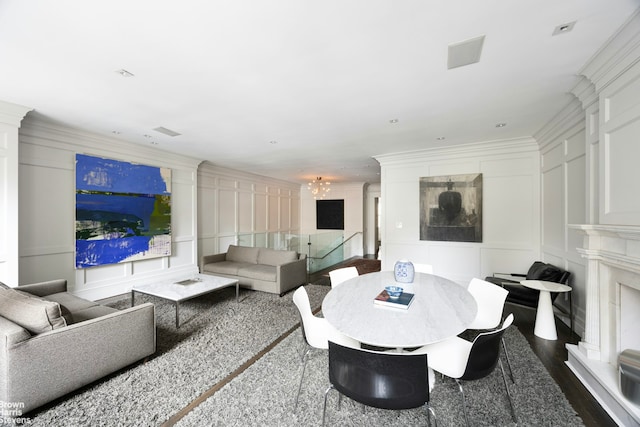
(54,342)
(260,269)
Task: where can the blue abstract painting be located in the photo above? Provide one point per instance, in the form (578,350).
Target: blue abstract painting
(123,211)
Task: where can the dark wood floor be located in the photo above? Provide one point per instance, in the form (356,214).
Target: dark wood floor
(553,355)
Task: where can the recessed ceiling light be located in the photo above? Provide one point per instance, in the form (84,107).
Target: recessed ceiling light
(124,73)
(393,121)
(563,28)
(501,125)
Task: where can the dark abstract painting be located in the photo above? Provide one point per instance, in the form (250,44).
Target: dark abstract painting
(123,211)
(451,208)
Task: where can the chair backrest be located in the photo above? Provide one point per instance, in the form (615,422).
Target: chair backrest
(423,268)
(381,380)
(316,331)
(490,300)
(485,352)
(339,275)
(311,330)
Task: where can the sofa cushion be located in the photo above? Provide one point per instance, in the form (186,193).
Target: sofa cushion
(32,313)
(70,304)
(225,267)
(260,272)
(242,254)
(276,257)
(92,313)
(542,271)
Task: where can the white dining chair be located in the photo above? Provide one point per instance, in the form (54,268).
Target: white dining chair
(490,300)
(464,360)
(339,275)
(316,332)
(423,268)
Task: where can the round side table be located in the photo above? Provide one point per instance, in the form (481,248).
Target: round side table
(545,321)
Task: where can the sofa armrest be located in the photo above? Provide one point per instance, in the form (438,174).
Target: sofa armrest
(208,259)
(291,274)
(57,362)
(42,289)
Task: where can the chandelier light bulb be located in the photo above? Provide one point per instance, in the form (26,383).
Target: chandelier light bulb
(318,188)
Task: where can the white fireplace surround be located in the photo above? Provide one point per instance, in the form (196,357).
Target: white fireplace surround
(612,304)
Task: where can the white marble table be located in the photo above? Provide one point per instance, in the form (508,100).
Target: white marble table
(545,321)
(179,290)
(441,309)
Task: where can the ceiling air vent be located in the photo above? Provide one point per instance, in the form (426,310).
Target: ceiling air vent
(465,52)
(166,131)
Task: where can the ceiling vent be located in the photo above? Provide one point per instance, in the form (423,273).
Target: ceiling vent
(166,131)
(465,52)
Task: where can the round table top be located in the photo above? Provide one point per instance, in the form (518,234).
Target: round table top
(441,309)
(542,285)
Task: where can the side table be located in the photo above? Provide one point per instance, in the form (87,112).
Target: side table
(545,321)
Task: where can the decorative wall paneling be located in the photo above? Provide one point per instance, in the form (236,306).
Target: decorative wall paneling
(233,203)
(511,235)
(10,117)
(47,210)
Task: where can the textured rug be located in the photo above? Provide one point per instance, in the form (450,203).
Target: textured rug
(216,336)
(264,395)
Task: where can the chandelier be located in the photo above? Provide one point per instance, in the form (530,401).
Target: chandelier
(319,188)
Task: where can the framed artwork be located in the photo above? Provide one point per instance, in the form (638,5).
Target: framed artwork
(123,211)
(451,208)
(330,214)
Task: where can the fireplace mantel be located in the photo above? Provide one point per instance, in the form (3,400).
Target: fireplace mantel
(613,263)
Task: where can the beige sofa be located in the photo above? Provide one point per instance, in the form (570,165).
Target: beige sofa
(54,342)
(260,269)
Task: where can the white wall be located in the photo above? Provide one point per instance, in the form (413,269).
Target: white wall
(354,203)
(10,117)
(236,205)
(590,155)
(511,208)
(47,210)
(372,192)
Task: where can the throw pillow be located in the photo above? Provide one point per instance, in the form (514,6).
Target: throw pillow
(30,312)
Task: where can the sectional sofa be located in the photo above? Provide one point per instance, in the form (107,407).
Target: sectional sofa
(260,269)
(54,342)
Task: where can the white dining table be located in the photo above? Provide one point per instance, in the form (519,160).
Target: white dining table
(441,309)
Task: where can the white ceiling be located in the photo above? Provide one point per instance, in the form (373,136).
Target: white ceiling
(322,78)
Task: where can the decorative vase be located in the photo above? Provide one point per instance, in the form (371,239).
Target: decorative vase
(403,271)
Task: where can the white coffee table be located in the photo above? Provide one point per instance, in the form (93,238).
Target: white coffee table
(545,321)
(182,290)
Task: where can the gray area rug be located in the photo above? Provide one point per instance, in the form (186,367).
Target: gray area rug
(264,396)
(217,336)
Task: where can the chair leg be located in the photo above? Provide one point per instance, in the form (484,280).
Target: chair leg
(304,367)
(464,402)
(504,378)
(430,412)
(324,408)
(506,354)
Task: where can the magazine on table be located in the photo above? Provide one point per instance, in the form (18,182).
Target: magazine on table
(403,301)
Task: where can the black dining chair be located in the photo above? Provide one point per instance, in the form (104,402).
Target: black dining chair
(464,360)
(380,380)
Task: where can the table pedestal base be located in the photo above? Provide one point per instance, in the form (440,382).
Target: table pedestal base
(545,321)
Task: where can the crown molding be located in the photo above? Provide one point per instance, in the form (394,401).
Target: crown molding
(12,114)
